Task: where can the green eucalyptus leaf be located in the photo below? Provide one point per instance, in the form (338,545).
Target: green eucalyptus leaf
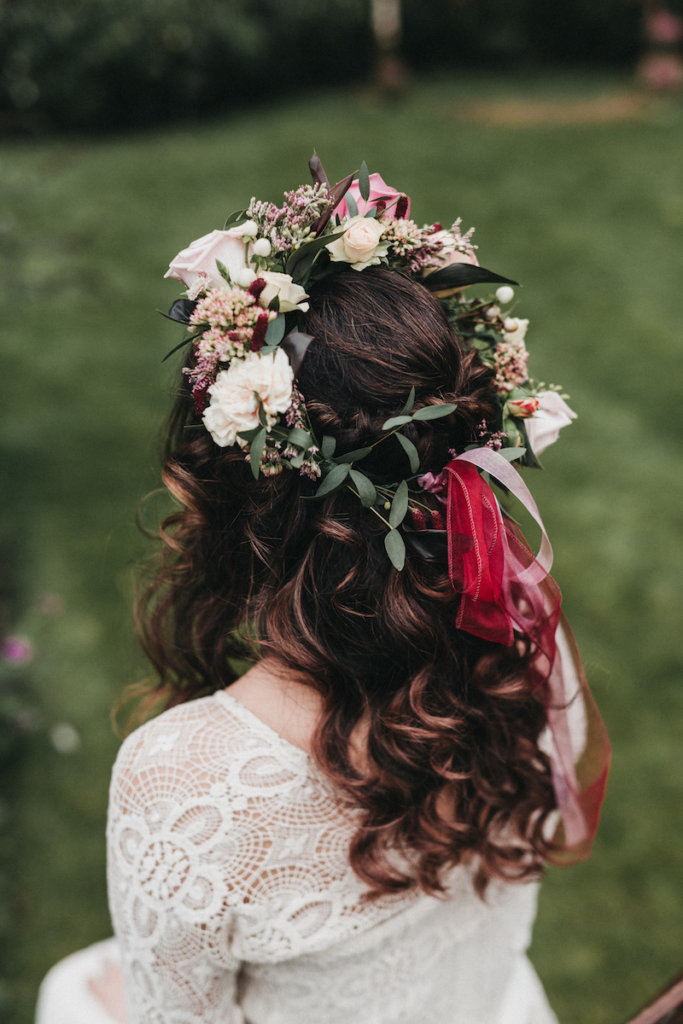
(268,350)
(434,412)
(307,251)
(512,454)
(298,461)
(262,418)
(275,332)
(399,505)
(223,271)
(530,458)
(328,445)
(275,303)
(354,456)
(351,205)
(410,450)
(365,487)
(249,435)
(408,407)
(396,421)
(335,478)
(396,549)
(372,212)
(256,451)
(301,438)
(238,217)
(364,181)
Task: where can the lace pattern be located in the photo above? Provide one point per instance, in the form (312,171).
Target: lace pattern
(233,901)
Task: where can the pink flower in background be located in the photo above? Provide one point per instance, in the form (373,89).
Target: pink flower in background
(380,196)
(661,72)
(17,650)
(663,27)
(544,427)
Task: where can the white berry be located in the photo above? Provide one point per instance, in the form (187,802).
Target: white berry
(261,247)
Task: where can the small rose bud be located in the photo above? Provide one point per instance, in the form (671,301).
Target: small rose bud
(505,294)
(261,247)
(522,408)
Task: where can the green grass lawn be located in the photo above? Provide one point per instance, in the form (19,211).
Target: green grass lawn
(590,219)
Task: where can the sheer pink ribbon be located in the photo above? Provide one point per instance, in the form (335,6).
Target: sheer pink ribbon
(505,588)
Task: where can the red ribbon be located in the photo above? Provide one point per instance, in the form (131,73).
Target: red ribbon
(505,589)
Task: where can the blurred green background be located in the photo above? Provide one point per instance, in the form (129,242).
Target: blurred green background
(574,180)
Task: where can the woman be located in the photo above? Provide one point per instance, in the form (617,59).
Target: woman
(351,829)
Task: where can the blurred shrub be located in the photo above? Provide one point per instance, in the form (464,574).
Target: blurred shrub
(109,64)
(104,64)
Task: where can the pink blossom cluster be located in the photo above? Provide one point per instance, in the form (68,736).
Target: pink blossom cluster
(288,226)
(294,418)
(510,364)
(237,325)
(408,243)
(421,248)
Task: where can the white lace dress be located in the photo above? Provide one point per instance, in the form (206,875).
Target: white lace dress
(233,902)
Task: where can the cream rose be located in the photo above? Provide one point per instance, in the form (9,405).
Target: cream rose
(544,426)
(360,244)
(196,265)
(233,399)
(291,295)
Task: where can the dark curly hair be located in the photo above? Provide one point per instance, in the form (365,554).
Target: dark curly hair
(451,767)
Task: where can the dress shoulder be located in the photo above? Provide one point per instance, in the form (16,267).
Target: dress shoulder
(198,749)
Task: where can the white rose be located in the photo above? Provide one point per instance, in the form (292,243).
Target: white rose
(289,294)
(360,244)
(198,261)
(544,426)
(233,399)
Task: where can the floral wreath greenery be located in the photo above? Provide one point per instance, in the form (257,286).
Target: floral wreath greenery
(243,281)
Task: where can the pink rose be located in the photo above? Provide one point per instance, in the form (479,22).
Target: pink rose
(196,265)
(544,427)
(522,408)
(381,195)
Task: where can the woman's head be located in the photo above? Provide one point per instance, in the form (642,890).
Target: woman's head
(259,565)
(377,334)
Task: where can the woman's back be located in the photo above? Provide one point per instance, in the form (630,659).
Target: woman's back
(228,870)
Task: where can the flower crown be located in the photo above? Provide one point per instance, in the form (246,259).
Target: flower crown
(244,280)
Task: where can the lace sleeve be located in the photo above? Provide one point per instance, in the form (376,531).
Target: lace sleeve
(168,904)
